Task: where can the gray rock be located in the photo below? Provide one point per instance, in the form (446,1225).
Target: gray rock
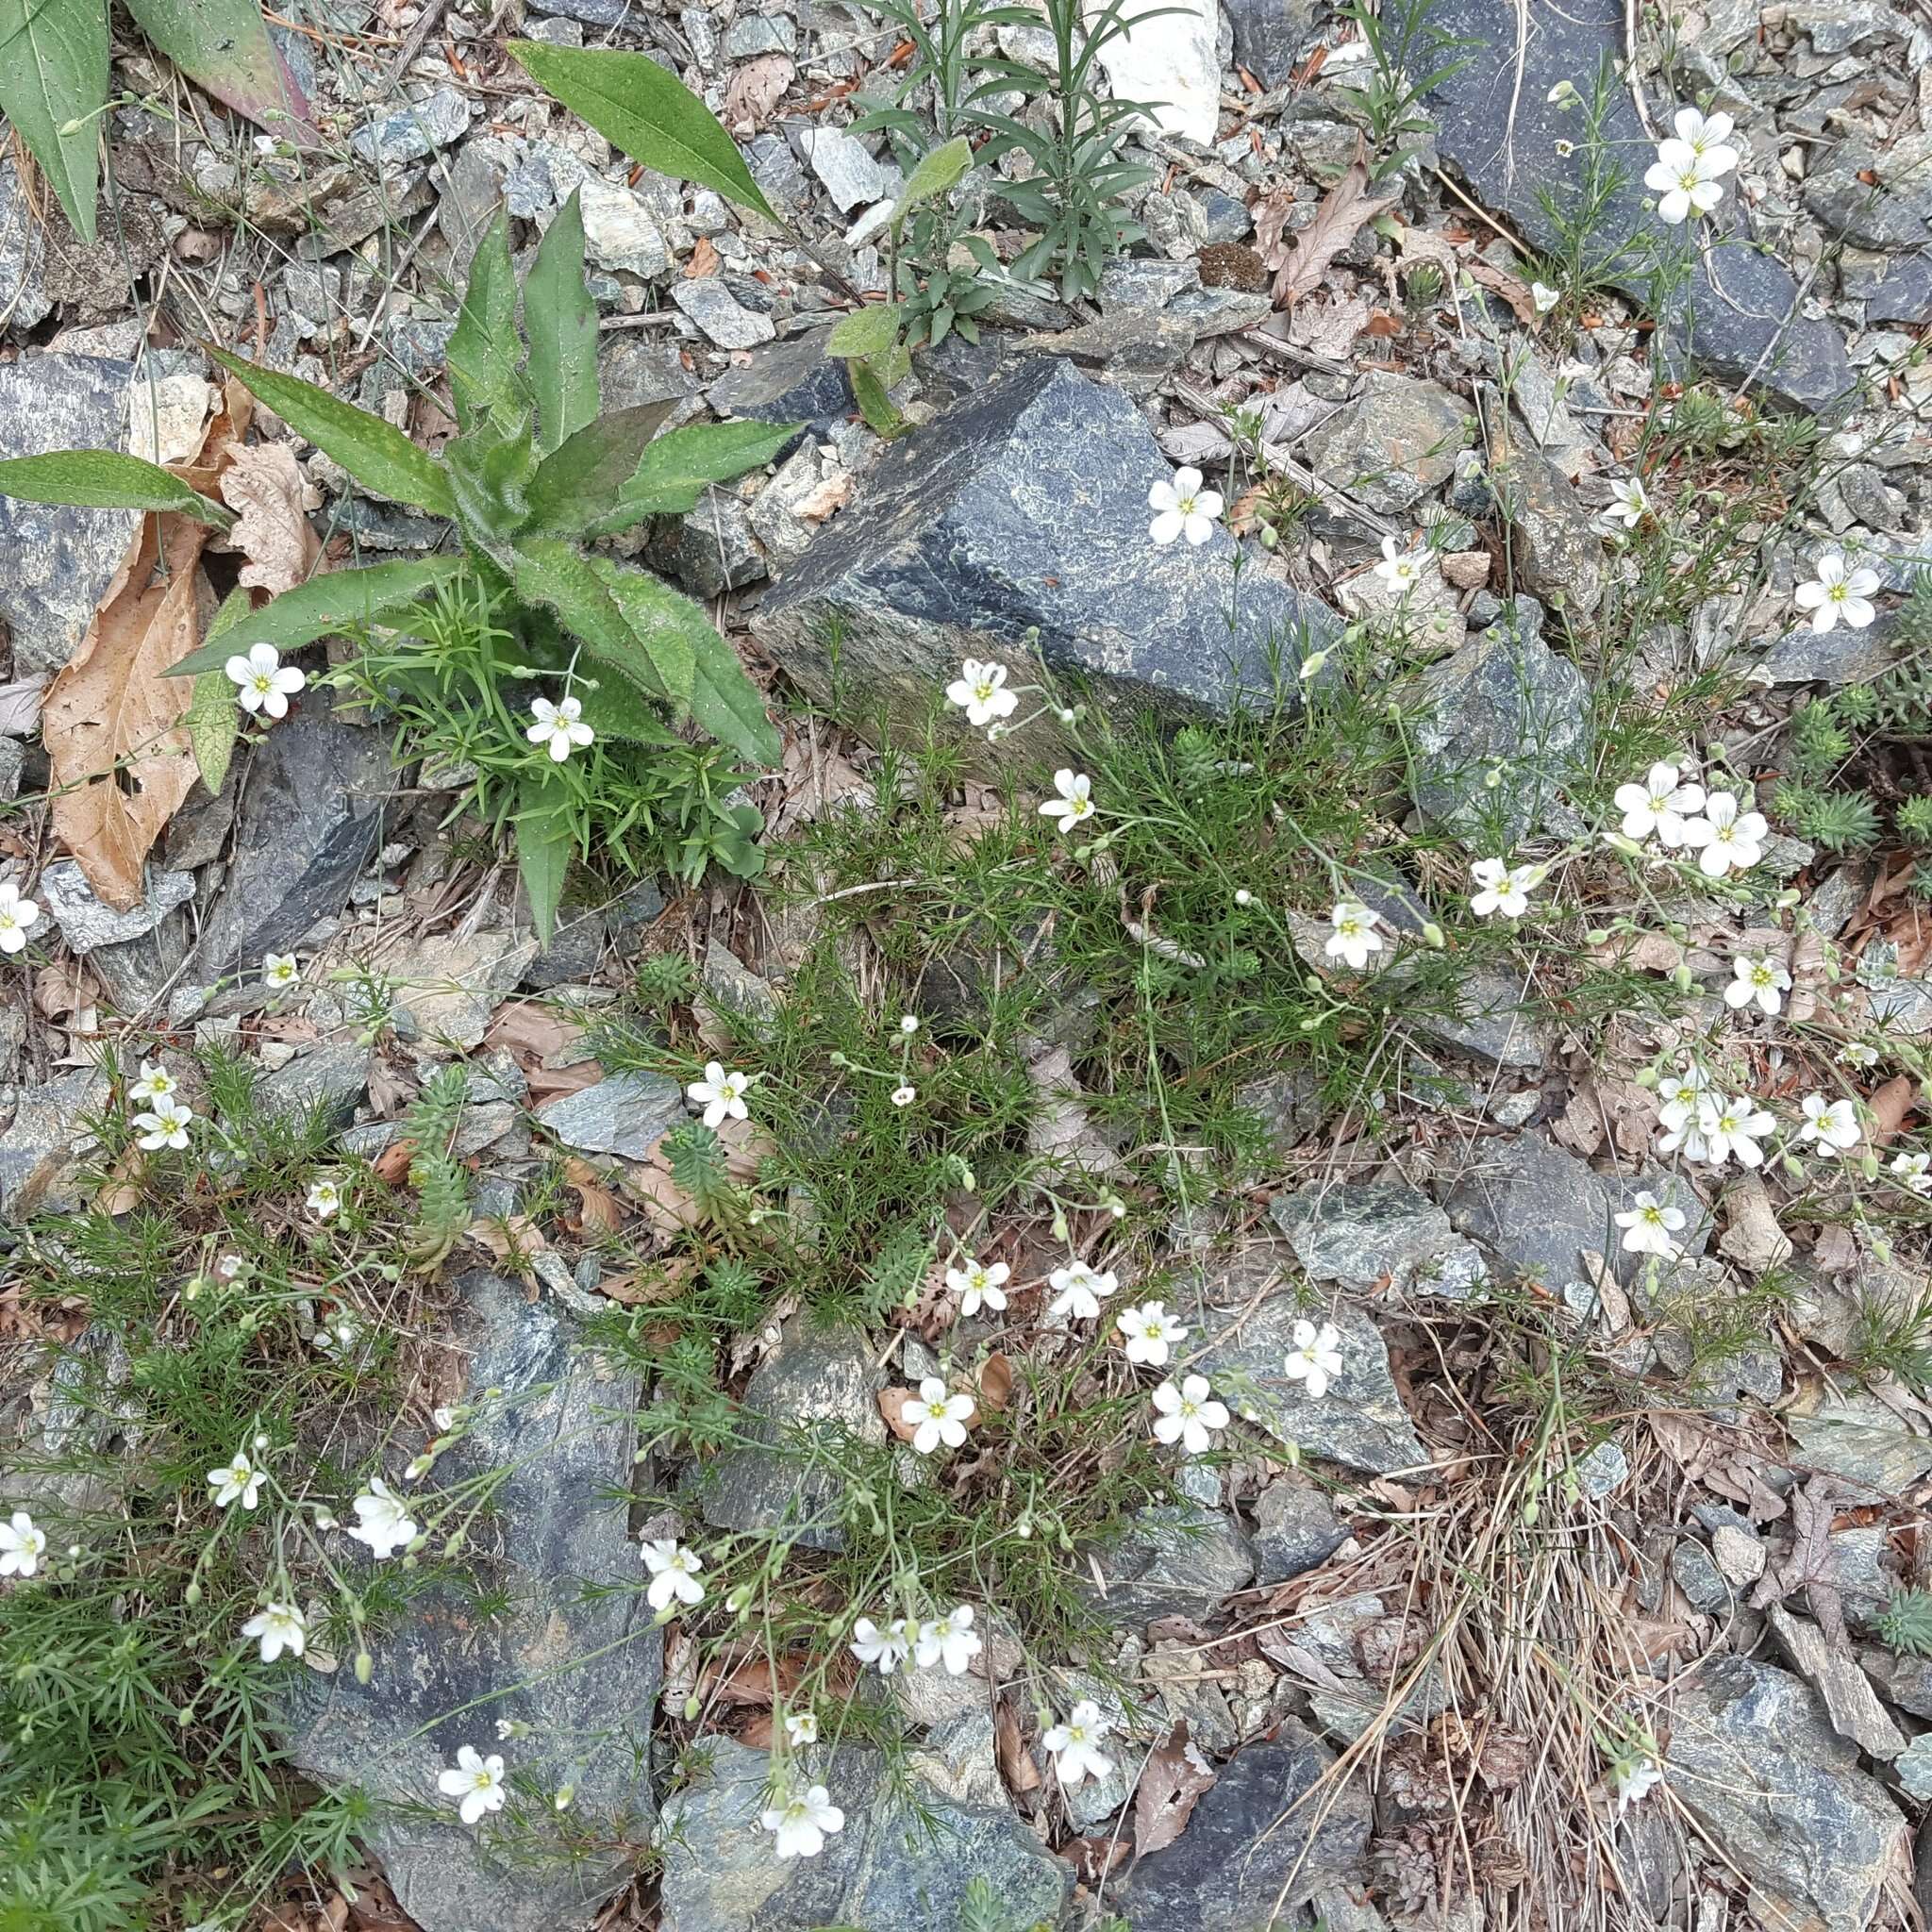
(719,314)
(1852,196)
(1490,1021)
(582,1672)
(1854,1435)
(590,12)
(1849,1700)
(1359,1235)
(1537,1209)
(1294,1530)
(621,232)
(1175,1560)
(733,989)
(788,381)
(1892,287)
(1496,125)
(852,177)
(310,820)
(85,923)
(415,131)
(45,1142)
(815,1380)
(1393,443)
(1601,1471)
(1803,656)
(1558,553)
(1753,1759)
(1289,1105)
(712,549)
(1229,1870)
(59,560)
(625,1115)
(1699,1578)
(1252,1309)
(22,251)
(329,1079)
(753,34)
(1026,506)
(783,533)
(450,984)
(1269,36)
(885,1871)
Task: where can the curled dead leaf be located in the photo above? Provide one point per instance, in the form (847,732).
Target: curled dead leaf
(1298,259)
(1890,1105)
(754,89)
(892,1405)
(1015,1762)
(601,1212)
(263,484)
(997,1381)
(1171,1786)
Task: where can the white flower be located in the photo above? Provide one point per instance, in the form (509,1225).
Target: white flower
(239,1481)
(885,1649)
(1543,296)
(18,917)
(801,1728)
(21,1546)
(1150,1331)
(164,1124)
(937,1416)
(801,1821)
(1833,1125)
(905,1096)
(980,690)
(1855,1053)
(262,683)
(1632,1779)
(1187,1414)
(1316,1356)
(279,1627)
(324,1199)
(1185,508)
(1761,980)
(721,1095)
(1685,1086)
(1725,839)
(1075,1744)
(559,727)
(979,1283)
(1629,504)
(673,1568)
(1706,136)
(383,1522)
(477,1784)
(1659,805)
(1354,936)
(950,1640)
(1683,179)
(1679,1118)
(1400,568)
(1074,803)
(1648,1227)
(280,970)
(908,1023)
(1838,591)
(1077,1292)
(156,1083)
(1731,1129)
(1913,1172)
(1505,889)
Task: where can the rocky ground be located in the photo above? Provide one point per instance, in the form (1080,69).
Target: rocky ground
(1587,1591)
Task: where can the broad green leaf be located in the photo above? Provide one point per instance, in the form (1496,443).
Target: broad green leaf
(378,457)
(673,471)
(102,479)
(722,699)
(483,350)
(489,473)
(881,413)
(54,73)
(562,324)
(578,484)
(543,856)
(213,716)
(382,593)
(938,169)
(224,45)
(648,113)
(866,331)
(660,661)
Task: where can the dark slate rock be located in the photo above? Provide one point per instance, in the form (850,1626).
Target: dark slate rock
(1892,287)
(1559,554)
(1358,1235)
(789,381)
(1843,198)
(1803,656)
(329,1078)
(582,1673)
(1490,1021)
(59,560)
(311,819)
(1227,1870)
(1025,507)
(626,1114)
(1393,443)
(43,1143)
(1176,1560)
(1294,1530)
(1538,1209)
(592,12)
(1496,125)
(22,255)
(1269,35)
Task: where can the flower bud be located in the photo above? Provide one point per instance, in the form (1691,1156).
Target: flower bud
(1433,937)
(365,1667)
(1596,936)
(692,1708)
(191,1595)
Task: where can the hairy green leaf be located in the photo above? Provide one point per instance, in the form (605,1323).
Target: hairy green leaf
(213,716)
(672,474)
(661,662)
(648,113)
(881,413)
(543,856)
(378,457)
(225,44)
(578,484)
(103,479)
(54,73)
(938,168)
(867,331)
(562,324)
(483,350)
(490,471)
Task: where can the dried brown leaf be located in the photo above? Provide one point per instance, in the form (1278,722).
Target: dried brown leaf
(1171,1786)
(263,484)
(995,1382)
(1298,259)
(892,1405)
(754,89)
(600,1212)
(1015,1762)
(1890,1105)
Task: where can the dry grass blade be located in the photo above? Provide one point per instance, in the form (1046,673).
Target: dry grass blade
(1298,259)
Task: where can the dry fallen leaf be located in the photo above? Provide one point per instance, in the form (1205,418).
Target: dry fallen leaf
(1171,1786)
(754,89)
(1298,259)
(1016,1762)
(601,1212)
(997,1381)
(119,1191)
(263,484)
(892,1405)
(513,1237)
(1890,1105)
(703,263)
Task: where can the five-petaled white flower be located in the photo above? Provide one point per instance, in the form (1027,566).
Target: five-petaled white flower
(801,1728)
(18,917)
(1354,936)
(950,1640)
(1184,509)
(980,690)
(383,1522)
(1079,1291)
(1857,1052)
(280,970)
(721,1095)
(1074,803)
(23,1543)
(1684,180)
(239,1482)
(1648,1227)
(1679,1118)
(937,1416)
(673,1568)
(1075,1744)
(979,1283)
(1187,1414)
(1726,837)
(1505,889)
(801,1821)
(1316,1356)
(164,1124)
(1731,1129)
(1913,1172)
(1761,980)
(1633,1778)
(1832,1124)
(1544,297)
(1400,568)
(156,1083)
(885,1650)
(1660,804)
(1629,503)
(263,683)
(324,1199)
(1839,592)
(1150,1331)
(475,1783)
(559,727)
(903,1096)
(1708,135)
(278,1627)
